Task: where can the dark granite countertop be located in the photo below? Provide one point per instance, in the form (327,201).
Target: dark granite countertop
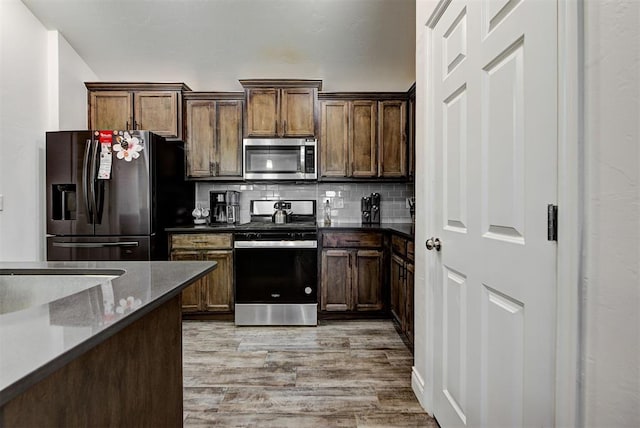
(404,229)
(53,312)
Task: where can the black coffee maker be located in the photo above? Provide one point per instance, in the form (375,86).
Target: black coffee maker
(370,209)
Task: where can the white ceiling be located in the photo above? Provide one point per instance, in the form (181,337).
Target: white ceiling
(352,45)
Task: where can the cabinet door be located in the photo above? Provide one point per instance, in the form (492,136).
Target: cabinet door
(397,284)
(157,111)
(334,138)
(228,155)
(200,135)
(392,156)
(262,112)
(408,319)
(363,143)
(336,280)
(297,112)
(192,295)
(367,281)
(111,110)
(218,285)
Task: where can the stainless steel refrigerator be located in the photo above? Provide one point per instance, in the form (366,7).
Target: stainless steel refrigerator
(111,194)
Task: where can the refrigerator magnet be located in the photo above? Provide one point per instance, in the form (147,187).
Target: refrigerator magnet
(127,147)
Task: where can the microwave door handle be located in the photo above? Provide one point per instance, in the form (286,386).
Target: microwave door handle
(303,169)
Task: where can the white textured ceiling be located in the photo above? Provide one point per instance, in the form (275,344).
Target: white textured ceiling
(352,45)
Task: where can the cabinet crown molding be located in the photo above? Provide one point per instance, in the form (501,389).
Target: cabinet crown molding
(214,96)
(136,86)
(379,96)
(281,83)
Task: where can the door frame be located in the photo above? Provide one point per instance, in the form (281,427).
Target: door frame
(569,406)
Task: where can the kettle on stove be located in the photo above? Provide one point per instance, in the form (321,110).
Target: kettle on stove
(281,215)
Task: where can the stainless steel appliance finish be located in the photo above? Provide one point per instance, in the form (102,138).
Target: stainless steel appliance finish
(224,207)
(280,159)
(305,314)
(120,216)
(276,267)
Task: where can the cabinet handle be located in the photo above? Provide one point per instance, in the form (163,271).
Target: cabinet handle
(211,166)
(276,122)
(135,124)
(285,128)
(217,167)
(126,126)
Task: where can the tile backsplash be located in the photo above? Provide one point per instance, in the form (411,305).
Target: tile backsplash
(344,197)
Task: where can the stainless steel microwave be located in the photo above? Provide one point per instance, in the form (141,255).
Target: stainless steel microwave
(280,159)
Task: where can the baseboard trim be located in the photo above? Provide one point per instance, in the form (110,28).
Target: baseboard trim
(417,385)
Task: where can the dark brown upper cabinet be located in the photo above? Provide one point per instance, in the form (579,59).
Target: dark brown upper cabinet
(213,135)
(280,108)
(363,135)
(153,107)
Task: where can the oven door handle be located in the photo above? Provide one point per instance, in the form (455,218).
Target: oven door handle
(276,244)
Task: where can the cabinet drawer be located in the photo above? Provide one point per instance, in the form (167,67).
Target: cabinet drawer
(352,239)
(201,240)
(399,245)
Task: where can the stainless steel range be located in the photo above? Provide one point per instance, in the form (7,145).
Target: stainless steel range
(276,265)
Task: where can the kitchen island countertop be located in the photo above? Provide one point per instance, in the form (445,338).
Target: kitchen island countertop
(39,335)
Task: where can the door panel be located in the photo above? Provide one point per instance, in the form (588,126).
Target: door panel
(363,144)
(367,284)
(229,138)
(111,110)
(218,285)
(334,138)
(454,163)
(493,80)
(68,211)
(157,111)
(124,201)
(503,148)
(502,335)
(297,112)
(200,135)
(454,346)
(262,112)
(191,295)
(336,280)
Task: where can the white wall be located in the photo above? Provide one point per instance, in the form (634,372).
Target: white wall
(72,72)
(41,88)
(23,120)
(611,281)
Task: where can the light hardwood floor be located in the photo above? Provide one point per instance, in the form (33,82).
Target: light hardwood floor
(338,374)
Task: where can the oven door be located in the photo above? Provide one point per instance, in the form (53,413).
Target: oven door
(276,282)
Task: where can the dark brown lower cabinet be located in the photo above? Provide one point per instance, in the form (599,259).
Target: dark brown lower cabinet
(351,278)
(214,292)
(402,283)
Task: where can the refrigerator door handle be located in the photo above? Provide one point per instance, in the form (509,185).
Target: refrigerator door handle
(86,185)
(95,192)
(95,244)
